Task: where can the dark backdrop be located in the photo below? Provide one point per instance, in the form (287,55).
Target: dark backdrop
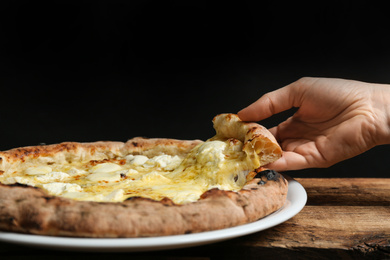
(112,70)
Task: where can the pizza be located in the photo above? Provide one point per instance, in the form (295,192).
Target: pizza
(143,187)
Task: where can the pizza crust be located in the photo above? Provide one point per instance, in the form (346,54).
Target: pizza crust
(137,217)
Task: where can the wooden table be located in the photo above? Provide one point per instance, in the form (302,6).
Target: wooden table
(343,219)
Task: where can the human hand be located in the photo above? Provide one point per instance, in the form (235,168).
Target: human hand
(337,119)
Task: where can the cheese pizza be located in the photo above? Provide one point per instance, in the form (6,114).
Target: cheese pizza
(144,187)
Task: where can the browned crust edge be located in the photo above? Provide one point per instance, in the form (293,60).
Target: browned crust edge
(256,138)
(27,209)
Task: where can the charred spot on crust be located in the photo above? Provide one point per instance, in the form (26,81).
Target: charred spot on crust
(215,192)
(251,130)
(135,144)
(113,160)
(138,198)
(233,141)
(165,201)
(267,175)
(11,220)
(17,184)
(270,175)
(132,198)
(47,198)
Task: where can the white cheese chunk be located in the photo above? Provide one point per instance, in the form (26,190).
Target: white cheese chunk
(132,172)
(21,180)
(211,153)
(52,177)
(116,195)
(105,167)
(174,162)
(164,161)
(104,176)
(39,170)
(136,160)
(187,195)
(74,171)
(56,188)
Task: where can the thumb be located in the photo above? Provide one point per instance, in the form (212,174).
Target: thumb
(269,104)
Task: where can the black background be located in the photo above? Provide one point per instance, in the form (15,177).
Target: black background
(112,70)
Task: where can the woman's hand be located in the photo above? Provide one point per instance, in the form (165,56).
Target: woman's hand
(336,120)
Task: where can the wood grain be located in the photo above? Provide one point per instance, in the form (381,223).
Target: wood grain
(347,192)
(343,219)
(347,218)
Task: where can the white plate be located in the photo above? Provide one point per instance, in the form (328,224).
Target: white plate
(296,200)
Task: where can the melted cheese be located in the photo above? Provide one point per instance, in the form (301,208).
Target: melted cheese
(212,164)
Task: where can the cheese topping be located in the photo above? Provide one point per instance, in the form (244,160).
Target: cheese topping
(218,164)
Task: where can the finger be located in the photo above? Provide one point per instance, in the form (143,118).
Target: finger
(287,130)
(271,103)
(288,162)
(274,132)
(284,130)
(295,145)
